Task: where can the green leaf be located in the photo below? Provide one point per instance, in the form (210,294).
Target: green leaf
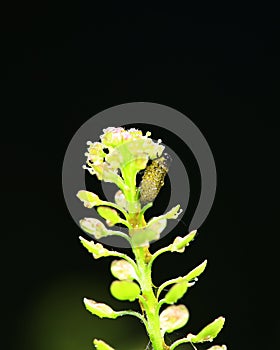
(218,347)
(180,243)
(173,317)
(209,332)
(147,206)
(176,292)
(110,215)
(125,290)
(173,213)
(99,309)
(143,236)
(197,271)
(96,249)
(101,345)
(123,270)
(157,226)
(89,199)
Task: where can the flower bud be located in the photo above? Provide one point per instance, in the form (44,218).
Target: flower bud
(173,317)
(93,227)
(123,270)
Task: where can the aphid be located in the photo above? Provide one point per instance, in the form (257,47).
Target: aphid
(153,178)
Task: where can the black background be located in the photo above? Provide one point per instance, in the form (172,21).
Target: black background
(220,67)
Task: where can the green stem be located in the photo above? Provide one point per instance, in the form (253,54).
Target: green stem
(179,342)
(126,223)
(133,313)
(161,302)
(151,303)
(129,176)
(123,235)
(156,254)
(121,184)
(148,300)
(147,206)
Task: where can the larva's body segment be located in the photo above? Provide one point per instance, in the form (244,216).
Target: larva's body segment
(153,178)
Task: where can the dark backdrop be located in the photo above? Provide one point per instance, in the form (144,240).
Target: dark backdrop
(218,66)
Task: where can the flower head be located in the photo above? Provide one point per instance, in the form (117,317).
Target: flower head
(119,149)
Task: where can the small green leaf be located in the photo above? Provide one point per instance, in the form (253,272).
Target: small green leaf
(180,243)
(125,290)
(173,213)
(143,236)
(110,215)
(101,345)
(96,249)
(209,332)
(157,226)
(99,309)
(90,199)
(123,270)
(176,292)
(147,206)
(173,317)
(218,347)
(196,271)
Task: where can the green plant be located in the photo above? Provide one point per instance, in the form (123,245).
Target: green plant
(118,158)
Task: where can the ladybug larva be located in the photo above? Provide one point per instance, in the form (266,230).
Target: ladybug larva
(153,178)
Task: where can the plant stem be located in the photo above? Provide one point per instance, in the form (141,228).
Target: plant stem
(157,253)
(151,303)
(179,342)
(133,313)
(148,300)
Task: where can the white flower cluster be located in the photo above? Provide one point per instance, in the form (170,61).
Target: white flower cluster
(117,149)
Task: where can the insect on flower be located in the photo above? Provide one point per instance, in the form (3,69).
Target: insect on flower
(153,178)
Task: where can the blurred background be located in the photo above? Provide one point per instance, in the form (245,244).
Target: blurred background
(65,63)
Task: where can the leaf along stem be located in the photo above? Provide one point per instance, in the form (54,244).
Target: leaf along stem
(167,283)
(118,207)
